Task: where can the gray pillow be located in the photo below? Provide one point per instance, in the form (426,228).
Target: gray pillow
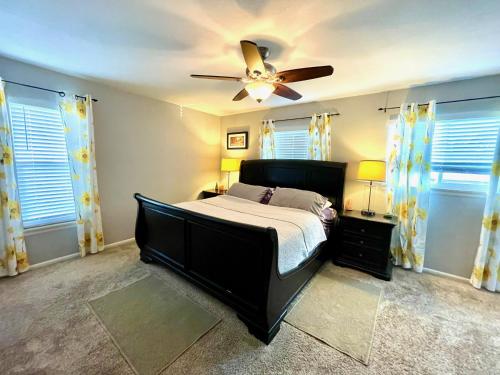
(301,199)
(251,192)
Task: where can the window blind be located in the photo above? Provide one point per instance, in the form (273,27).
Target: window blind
(291,144)
(42,167)
(464,146)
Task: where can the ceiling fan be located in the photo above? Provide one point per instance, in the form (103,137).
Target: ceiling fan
(262,79)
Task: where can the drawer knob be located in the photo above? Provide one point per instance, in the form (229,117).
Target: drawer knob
(360,255)
(361,242)
(363,230)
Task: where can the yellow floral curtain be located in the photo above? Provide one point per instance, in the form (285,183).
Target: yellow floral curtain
(13,256)
(79,130)
(266,140)
(408,181)
(486,272)
(320,139)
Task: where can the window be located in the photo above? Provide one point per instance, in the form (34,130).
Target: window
(291,144)
(462,152)
(42,166)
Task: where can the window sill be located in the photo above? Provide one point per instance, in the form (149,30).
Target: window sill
(458,192)
(49,228)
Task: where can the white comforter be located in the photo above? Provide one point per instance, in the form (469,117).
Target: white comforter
(299,231)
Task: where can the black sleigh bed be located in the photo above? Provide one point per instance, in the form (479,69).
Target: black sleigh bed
(238,263)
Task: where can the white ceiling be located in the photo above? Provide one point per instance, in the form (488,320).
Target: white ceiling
(151,46)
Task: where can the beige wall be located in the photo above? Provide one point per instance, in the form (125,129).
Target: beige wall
(360,133)
(142,145)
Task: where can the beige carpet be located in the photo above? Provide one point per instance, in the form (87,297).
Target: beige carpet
(425,325)
(339,311)
(151,324)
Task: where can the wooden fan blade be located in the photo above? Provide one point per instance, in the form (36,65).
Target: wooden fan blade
(304,74)
(241,95)
(223,78)
(286,92)
(252,57)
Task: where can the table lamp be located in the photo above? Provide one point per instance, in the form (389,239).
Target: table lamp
(229,165)
(373,171)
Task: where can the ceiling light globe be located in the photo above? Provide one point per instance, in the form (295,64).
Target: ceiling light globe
(259,90)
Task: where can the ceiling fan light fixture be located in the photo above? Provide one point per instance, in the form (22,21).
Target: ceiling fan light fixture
(262,79)
(260,90)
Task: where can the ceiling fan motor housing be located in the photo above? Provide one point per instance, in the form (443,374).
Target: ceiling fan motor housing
(269,73)
(270,70)
(264,52)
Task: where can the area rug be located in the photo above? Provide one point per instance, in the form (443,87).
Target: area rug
(151,324)
(339,311)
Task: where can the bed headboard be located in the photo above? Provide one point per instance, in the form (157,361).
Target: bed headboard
(323,177)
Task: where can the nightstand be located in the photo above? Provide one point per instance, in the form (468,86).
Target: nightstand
(364,242)
(212,193)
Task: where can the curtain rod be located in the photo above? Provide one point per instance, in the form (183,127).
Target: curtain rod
(304,118)
(447,101)
(62,94)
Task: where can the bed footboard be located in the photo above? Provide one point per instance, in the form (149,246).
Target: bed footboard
(235,262)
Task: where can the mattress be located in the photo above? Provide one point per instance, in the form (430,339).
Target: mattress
(299,231)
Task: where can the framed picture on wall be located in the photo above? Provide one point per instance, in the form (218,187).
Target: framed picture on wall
(237,141)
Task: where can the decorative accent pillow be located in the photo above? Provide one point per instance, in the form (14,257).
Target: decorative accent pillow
(301,199)
(267,196)
(251,192)
(328,218)
(328,215)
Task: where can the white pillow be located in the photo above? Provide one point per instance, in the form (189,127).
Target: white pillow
(301,199)
(327,204)
(251,192)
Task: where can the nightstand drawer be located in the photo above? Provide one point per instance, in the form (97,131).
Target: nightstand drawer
(362,228)
(362,254)
(364,241)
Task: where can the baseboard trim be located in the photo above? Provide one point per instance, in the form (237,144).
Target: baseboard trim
(55,260)
(76,255)
(118,243)
(445,274)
